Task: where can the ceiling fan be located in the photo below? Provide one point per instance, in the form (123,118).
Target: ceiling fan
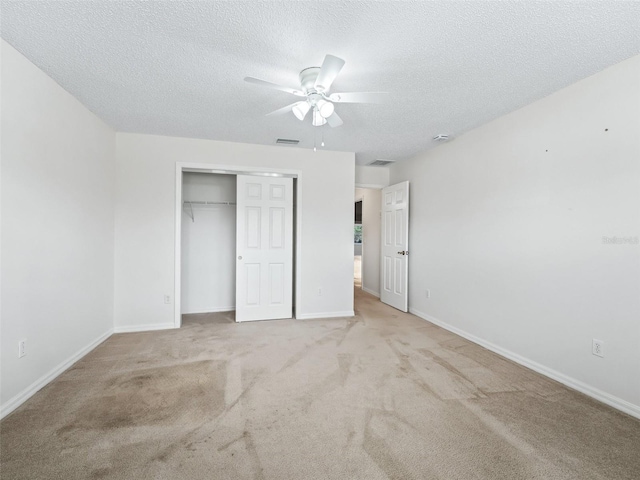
(315,83)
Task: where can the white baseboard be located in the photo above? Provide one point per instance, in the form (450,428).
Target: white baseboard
(143,328)
(309,316)
(28,392)
(371,292)
(604,397)
(212,310)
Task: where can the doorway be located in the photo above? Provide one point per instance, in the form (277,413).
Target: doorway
(367,239)
(357,245)
(208,243)
(207,265)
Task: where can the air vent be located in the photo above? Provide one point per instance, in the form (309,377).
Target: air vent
(441,137)
(287,141)
(380,163)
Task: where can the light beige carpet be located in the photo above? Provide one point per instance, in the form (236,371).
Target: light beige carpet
(383,395)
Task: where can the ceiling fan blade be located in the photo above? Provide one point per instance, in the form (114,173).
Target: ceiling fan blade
(282,88)
(330,69)
(282,110)
(358,97)
(334,120)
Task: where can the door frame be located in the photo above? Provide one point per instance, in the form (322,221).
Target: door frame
(182,167)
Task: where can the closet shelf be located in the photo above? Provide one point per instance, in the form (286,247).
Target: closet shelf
(191,203)
(194,202)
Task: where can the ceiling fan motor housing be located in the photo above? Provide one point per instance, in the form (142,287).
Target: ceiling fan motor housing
(308,78)
(316,98)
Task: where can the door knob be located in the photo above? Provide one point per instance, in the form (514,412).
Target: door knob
(403,252)
(239,257)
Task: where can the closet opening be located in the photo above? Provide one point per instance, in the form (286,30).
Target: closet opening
(208,246)
(237,238)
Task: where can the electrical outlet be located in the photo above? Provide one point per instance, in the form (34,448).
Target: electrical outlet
(427,293)
(320,291)
(167,299)
(22,348)
(598,348)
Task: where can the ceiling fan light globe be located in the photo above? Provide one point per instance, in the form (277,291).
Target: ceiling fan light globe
(300,110)
(318,120)
(325,108)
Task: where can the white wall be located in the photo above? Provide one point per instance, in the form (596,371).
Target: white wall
(145,199)
(506,228)
(371,177)
(371,207)
(57,228)
(208,244)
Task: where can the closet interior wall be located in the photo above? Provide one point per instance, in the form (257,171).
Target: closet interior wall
(208,243)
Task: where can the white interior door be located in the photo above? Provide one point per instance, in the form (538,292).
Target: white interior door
(264,248)
(395,246)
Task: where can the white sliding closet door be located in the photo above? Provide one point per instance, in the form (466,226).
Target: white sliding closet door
(264,248)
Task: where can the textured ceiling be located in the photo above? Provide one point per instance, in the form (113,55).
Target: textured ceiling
(177,68)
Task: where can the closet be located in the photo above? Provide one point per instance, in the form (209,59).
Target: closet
(208,243)
(237,244)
